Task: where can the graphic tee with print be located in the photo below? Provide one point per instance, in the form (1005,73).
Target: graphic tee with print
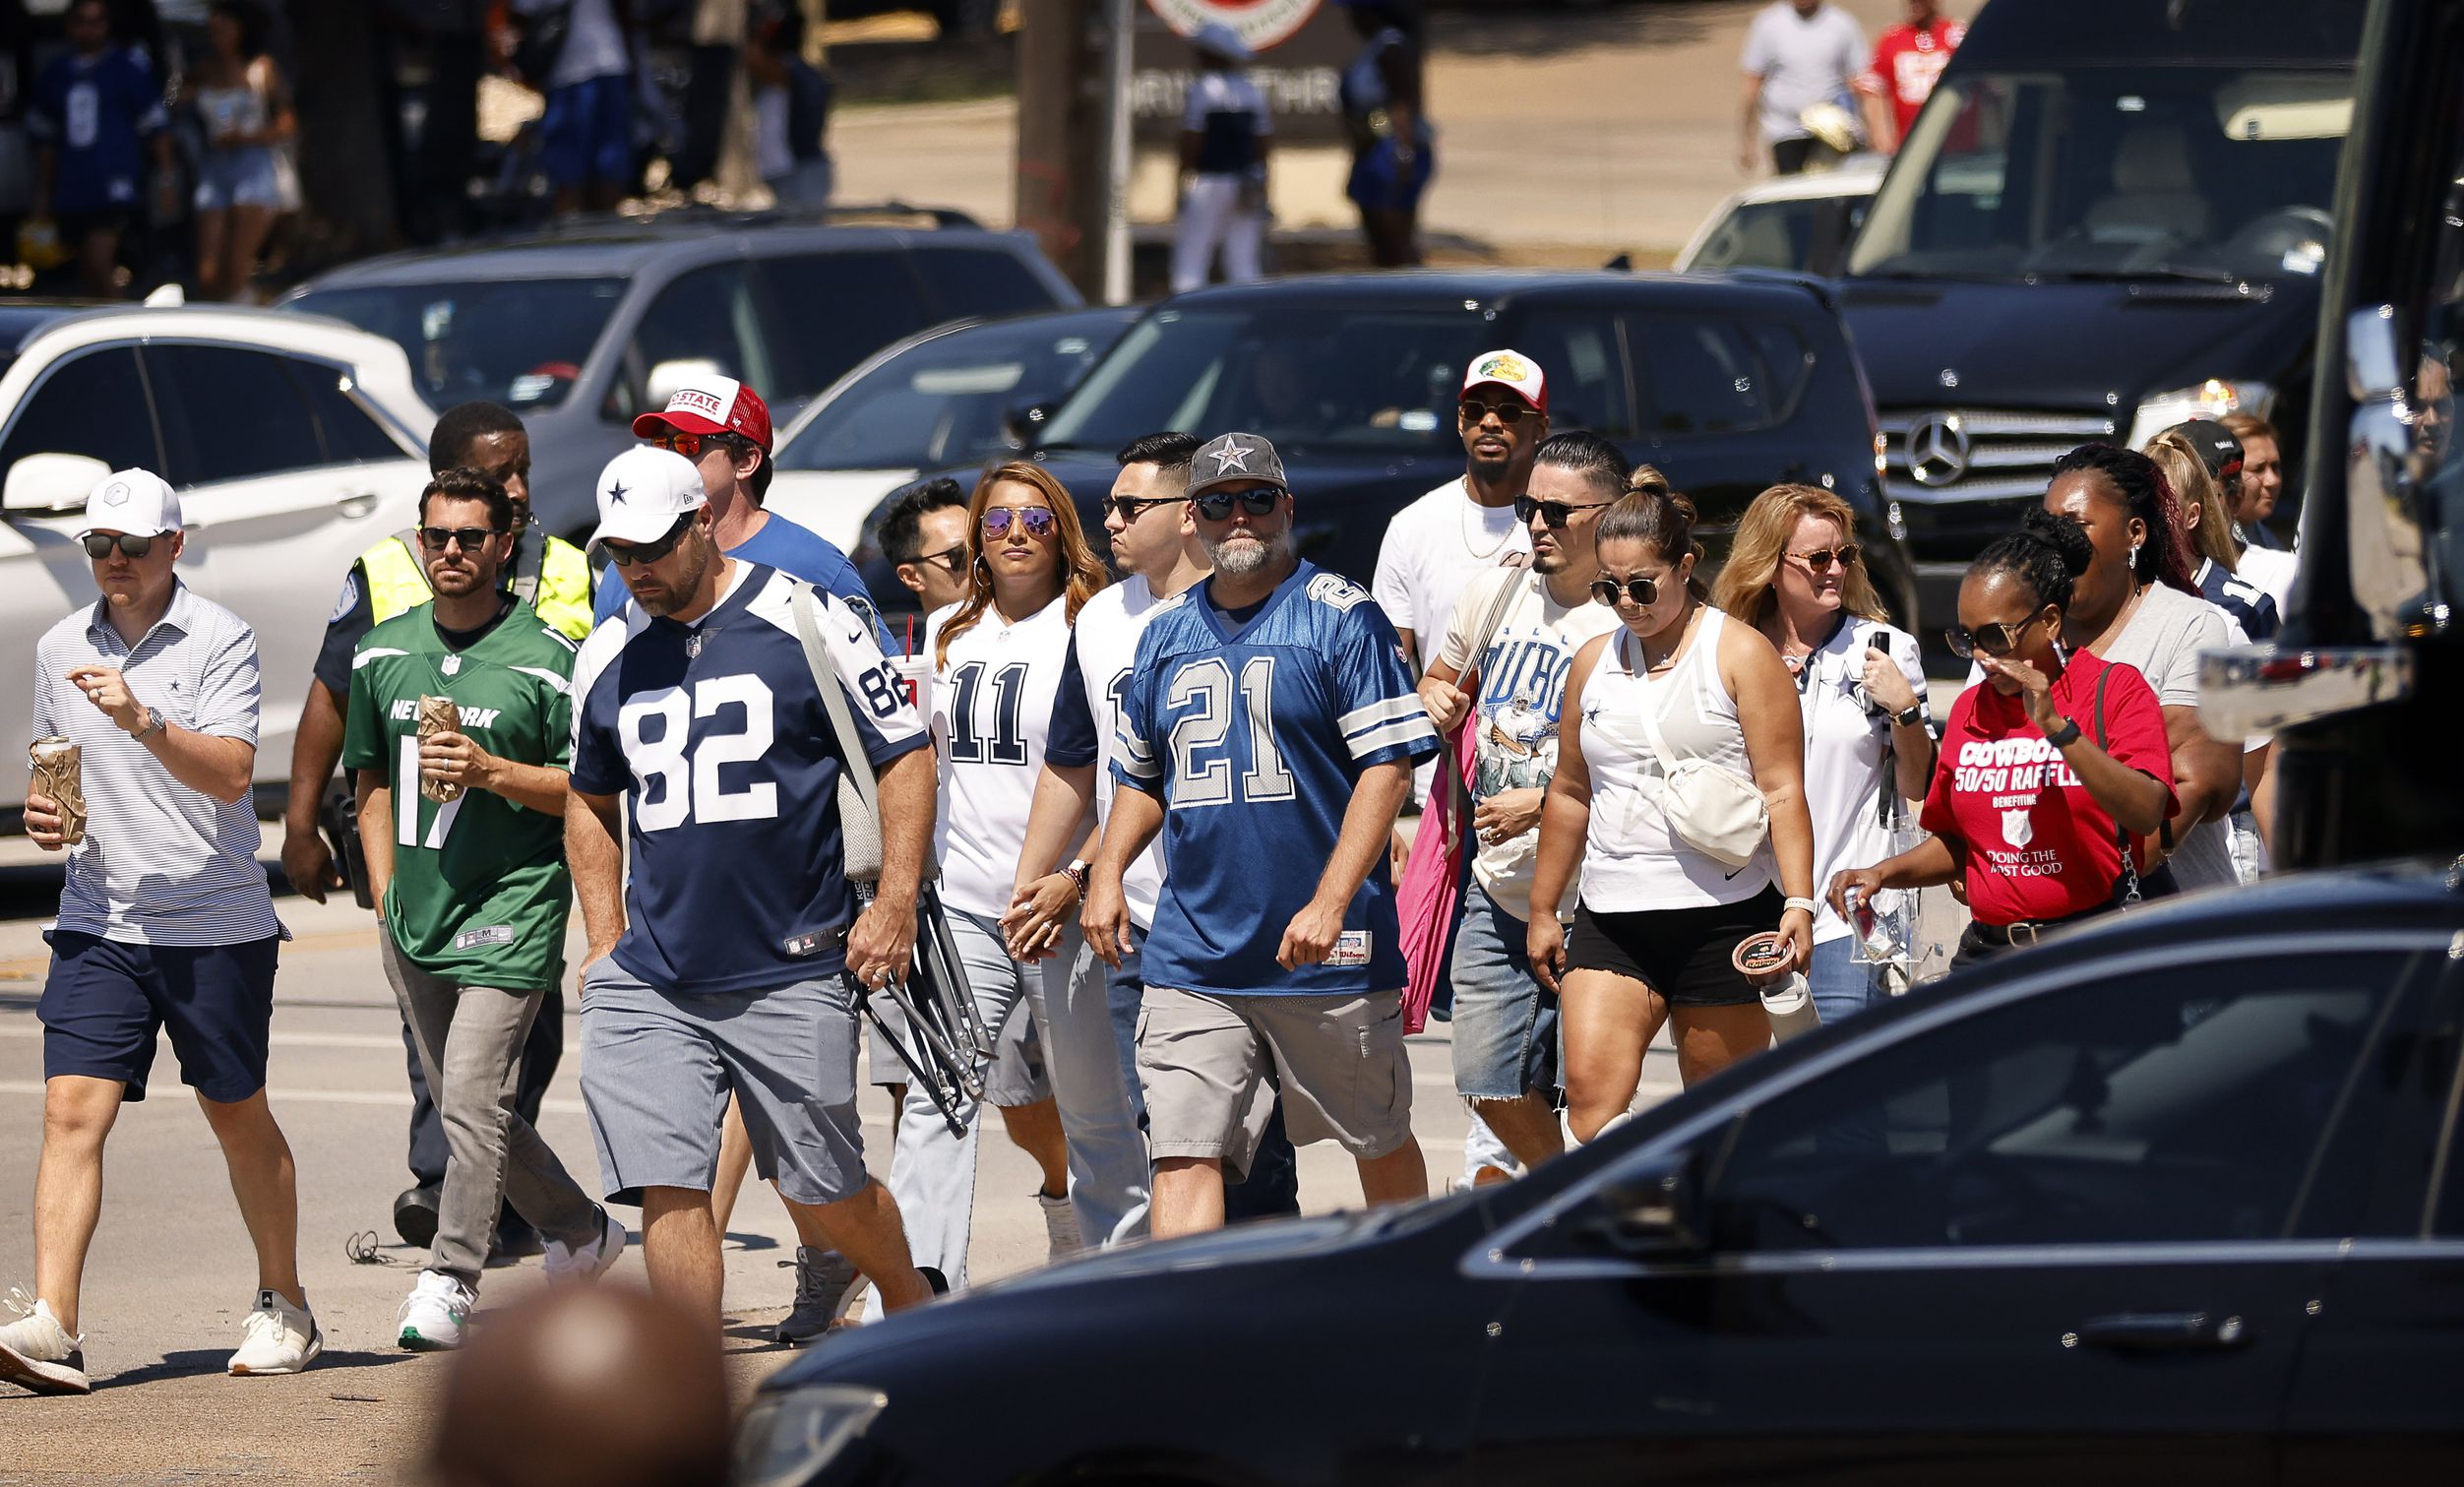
(2038,845)
(480,891)
(1907,62)
(1521,690)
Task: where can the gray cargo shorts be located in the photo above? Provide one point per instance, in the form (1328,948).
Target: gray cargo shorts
(1203,1059)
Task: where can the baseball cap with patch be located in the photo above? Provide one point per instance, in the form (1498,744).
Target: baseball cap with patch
(2217,449)
(136,502)
(1230,458)
(643,491)
(1511,370)
(711,405)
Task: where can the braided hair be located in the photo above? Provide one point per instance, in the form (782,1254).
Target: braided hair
(2144,492)
(2047,553)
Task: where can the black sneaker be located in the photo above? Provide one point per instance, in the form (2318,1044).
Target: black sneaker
(828,1286)
(414,1213)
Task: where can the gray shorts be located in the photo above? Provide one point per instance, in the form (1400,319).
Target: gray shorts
(656,1071)
(1202,1060)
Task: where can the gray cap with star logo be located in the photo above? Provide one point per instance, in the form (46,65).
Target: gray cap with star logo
(1233,457)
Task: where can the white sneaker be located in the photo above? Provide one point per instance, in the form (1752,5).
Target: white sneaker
(276,1338)
(1061,1227)
(569,1264)
(38,1352)
(435,1315)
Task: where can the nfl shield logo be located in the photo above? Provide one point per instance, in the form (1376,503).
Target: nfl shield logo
(2017,828)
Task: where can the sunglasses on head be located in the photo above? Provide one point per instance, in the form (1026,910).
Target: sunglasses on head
(1131,508)
(1034,521)
(1510,412)
(98,545)
(471,539)
(1645,592)
(1994,640)
(632,554)
(1216,506)
(1821,558)
(1555,512)
(690,445)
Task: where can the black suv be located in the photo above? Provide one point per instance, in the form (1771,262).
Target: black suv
(1728,386)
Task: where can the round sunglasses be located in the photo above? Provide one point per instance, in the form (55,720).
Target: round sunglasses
(1645,592)
(1034,521)
(1472,410)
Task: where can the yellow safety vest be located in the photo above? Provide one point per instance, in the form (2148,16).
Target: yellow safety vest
(554,580)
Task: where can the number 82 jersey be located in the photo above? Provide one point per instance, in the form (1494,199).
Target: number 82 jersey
(1255,736)
(717,735)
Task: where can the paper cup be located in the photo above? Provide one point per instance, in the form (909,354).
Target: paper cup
(438,715)
(59,775)
(1763,958)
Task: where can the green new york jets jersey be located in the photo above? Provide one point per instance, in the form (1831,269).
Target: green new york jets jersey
(480,890)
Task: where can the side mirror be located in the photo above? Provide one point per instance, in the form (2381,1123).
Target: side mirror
(1655,1209)
(668,375)
(51,484)
(1024,425)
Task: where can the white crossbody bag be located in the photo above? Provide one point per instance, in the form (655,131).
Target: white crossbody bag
(1711,808)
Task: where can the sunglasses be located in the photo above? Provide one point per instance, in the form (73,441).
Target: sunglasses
(1820,558)
(471,539)
(1472,410)
(1555,512)
(1645,592)
(632,554)
(690,445)
(1034,521)
(1216,506)
(1131,508)
(98,545)
(1992,640)
(948,560)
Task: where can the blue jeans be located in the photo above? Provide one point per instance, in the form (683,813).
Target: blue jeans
(1088,1026)
(1841,987)
(1506,1024)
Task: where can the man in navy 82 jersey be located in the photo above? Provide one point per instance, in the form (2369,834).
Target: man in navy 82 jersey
(717,969)
(1268,722)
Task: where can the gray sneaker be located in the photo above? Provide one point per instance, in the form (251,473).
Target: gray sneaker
(37,1353)
(828,1285)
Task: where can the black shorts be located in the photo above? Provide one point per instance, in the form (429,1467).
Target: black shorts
(1686,954)
(105,1001)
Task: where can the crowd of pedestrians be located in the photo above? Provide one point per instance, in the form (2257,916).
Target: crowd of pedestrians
(1816,91)
(1156,818)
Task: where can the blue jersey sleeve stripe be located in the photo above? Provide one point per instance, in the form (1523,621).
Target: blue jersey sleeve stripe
(1381,711)
(1403,731)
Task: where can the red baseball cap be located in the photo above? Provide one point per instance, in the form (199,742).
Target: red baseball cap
(711,405)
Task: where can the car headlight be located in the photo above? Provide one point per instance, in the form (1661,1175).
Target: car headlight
(2212,398)
(789,1435)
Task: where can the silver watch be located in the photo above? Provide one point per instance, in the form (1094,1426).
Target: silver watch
(156,723)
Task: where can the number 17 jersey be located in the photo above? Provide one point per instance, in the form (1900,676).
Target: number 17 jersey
(1255,737)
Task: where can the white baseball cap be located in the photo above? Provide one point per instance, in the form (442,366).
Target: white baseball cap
(1511,370)
(137,503)
(642,493)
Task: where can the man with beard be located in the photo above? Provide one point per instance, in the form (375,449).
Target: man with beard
(722,965)
(1268,721)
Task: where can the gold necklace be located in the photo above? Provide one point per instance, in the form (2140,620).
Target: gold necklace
(1464,519)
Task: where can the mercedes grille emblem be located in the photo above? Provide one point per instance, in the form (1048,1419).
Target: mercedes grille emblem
(1938,449)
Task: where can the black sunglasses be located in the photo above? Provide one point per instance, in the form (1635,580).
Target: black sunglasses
(948,560)
(1216,505)
(1555,512)
(1472,410)
(471,539)
(1645,592)
(98,545)
(633,553)
(1994,640)
(1131,508)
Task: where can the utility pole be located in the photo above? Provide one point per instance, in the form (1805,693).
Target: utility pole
(1059,191)
(1117,152)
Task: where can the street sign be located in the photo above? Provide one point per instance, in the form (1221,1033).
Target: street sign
(1301,48)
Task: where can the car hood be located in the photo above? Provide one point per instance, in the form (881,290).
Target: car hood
(832,502)
(1925,342)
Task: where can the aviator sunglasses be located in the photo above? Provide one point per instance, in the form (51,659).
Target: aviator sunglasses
(1216,506)
(1645,592)
(1034,521)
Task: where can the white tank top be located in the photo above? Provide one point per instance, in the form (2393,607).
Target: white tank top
(1631,860)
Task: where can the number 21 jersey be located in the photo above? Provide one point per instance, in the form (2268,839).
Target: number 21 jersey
(991,710)
(1255,736)
(718,739)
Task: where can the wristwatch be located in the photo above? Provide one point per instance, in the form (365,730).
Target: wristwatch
(2066,736)
(1078,873)
(156,723)
(1910,715)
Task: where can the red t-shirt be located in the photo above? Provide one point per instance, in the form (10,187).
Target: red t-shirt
(2038,845)
(1906,61)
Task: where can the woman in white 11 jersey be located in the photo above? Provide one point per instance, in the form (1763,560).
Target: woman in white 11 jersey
(996,657)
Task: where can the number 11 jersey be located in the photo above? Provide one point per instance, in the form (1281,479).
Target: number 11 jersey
(991,708)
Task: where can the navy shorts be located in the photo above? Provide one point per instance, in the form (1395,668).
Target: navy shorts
(586,135)
(106,999)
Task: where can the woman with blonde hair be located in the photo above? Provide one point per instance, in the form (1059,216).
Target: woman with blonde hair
(1674,709)
(2208,527)
(1795,573)
(998,657)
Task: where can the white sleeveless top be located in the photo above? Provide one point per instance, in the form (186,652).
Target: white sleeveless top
(1631,859)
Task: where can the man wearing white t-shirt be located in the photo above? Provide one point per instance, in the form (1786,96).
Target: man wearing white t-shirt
(1506,1059)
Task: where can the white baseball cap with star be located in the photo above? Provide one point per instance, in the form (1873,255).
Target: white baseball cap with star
(643,491)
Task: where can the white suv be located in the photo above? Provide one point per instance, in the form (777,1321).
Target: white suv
(295,442)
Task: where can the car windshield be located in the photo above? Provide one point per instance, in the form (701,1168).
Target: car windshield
(2193,173)
(1789,234)
(947,399)
(1313,377)
(520,342)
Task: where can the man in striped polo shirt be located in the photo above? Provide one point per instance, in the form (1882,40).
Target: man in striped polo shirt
(164,925)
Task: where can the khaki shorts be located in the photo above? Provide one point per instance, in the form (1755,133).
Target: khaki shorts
(1203,1061)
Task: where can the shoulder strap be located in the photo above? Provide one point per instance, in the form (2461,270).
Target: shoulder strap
(2100,708)
(859,793)
(1648,708)
(1487,634)
(528,558)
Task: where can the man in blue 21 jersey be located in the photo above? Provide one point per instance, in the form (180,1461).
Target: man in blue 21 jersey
(1267,724)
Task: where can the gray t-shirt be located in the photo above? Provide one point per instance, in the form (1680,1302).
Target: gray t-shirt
(2163,640)
(1802,61)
